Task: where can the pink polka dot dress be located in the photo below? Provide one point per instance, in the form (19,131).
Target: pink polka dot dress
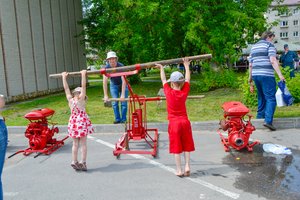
(79,123)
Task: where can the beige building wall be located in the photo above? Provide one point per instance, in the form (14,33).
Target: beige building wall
(38,38)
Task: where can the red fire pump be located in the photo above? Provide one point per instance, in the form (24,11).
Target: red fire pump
(238,129)
(40,136)
(136,129)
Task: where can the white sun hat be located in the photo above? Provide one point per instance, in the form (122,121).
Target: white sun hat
(176,77)
(78,89)
(111,54)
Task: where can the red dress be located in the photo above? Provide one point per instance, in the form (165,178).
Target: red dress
(179,129)
(79,123)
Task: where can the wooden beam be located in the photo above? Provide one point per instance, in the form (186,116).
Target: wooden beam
(137,66)
(155,98)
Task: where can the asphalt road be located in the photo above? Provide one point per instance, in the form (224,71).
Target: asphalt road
(215,174)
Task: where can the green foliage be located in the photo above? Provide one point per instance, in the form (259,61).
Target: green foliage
(153,71)
(134,79)
(282,10)
(146,30)
(293,86)
(213,78)
(167,69)
(143,73)
(249,99)
(170,69)
(292,83)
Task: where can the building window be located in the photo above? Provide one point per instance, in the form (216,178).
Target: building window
(284,35)
(296,11)
(296,34)
(284,24)
(296,22)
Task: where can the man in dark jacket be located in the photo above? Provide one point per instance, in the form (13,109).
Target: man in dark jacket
(288,59)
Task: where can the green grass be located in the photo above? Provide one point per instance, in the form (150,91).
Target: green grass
(205,109)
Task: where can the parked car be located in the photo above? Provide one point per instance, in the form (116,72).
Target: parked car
(242,64)
(91,68)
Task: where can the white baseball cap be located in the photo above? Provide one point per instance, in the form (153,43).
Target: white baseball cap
(176,77)
(111,54)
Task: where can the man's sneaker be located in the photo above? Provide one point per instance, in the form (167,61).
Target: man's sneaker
(117,122)
(270,126)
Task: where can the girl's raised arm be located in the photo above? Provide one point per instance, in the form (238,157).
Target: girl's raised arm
(83,84)
(66,86)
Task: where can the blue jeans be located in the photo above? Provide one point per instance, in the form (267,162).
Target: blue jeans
(3,145)
(266,89)
(115,92)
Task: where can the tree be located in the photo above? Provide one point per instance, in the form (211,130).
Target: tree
(148,30)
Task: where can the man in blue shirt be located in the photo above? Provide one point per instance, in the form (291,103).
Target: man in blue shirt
(262,64)
(288,59)
(118,89)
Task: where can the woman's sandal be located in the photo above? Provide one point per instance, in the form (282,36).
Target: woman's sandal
(83,166)
(76,165)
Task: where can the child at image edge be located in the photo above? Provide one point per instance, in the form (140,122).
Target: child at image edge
(3,142)
(79,125)
(179,129)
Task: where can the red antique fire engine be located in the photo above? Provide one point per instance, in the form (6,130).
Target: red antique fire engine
(40,136)
(238,129)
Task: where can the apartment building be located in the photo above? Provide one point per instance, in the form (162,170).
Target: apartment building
(288,28)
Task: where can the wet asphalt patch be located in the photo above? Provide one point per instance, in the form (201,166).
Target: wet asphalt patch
(265,174)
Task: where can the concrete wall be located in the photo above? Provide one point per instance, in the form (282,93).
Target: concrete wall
(38,38)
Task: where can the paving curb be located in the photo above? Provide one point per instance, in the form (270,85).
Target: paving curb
(279,123)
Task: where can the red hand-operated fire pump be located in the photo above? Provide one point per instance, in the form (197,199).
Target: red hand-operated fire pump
(136,128)
(238,129)
(40,136)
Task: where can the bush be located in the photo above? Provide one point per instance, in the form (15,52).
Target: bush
(249,99)
(211,79)
(292,84)
(168,69)
(143,73)
(134,79)
(152,71)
